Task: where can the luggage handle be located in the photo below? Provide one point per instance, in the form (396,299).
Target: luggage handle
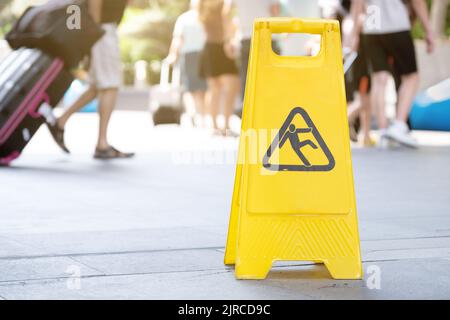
(165,80)
(44,110)
(34,112)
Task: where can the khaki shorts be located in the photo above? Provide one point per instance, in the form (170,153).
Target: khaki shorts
(105,70)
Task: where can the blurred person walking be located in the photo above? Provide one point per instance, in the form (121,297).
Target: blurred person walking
(187,43)
(357,79)
(104,76)
(248,11)
(386,29)
(217,62)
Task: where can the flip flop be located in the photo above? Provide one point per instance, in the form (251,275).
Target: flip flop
(111,153)
(58,135)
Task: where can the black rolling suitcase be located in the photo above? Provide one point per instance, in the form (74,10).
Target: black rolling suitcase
(165,98)
(31,85)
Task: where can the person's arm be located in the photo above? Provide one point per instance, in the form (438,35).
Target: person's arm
(95,9)
(304,130)
(177,42)
(283,140)
(357,12)
(229,29)
(174,52)
(420,7)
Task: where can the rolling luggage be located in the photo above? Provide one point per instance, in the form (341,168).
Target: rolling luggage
(31,85)
(166,98)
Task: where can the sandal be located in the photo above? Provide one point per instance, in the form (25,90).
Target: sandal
(58,135)
(111,153)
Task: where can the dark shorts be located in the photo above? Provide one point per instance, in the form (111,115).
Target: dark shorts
(191,80)
(361,71)
(214,62)
(391,51)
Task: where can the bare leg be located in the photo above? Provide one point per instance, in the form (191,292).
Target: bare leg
(107,99)
(189,102)
(378,97)
(354,109)
(406,94)
(231,87)
(199,98)
(89,95)
(366,118)
(213,104)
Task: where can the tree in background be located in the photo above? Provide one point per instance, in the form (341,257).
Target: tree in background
(146,30)
(146,33)
(6,17)
(440,17)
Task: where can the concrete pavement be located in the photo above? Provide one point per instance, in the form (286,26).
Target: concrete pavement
(155,227)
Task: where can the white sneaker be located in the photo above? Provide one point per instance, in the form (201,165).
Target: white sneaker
(399,132)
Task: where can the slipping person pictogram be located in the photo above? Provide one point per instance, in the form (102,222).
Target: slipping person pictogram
(293,136)
(289,131)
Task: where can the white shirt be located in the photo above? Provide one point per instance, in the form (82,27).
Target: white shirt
(249,10)
(386,16)
(191,30)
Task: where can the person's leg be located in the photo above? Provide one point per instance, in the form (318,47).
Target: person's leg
(407,91)
(302,157)
(189,103)
(308,143)
(405,64)
(57,130)
(377,64)
(213,104)
(366,119)
(378,97)
(107,102)
(354,109)
(199,100)
(231,87)
(89,95)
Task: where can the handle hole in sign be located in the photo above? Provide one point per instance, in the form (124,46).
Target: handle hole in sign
(296,44)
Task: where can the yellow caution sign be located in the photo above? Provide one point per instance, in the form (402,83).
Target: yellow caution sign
(294,195)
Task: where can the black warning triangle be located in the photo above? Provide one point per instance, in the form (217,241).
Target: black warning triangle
(288,131)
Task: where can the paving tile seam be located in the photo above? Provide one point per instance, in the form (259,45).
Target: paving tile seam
(407,249)
(7,283)
(196,248)
(88,266)
(407,238)
(89,254)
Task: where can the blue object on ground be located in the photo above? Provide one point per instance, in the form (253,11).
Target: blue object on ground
(77,88)
(431,108)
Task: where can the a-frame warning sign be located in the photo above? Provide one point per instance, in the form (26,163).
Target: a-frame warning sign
(296,202)
(290,135)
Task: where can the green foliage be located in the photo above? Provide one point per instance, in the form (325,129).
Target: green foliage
(418,31)
(146,31)
(6,18)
